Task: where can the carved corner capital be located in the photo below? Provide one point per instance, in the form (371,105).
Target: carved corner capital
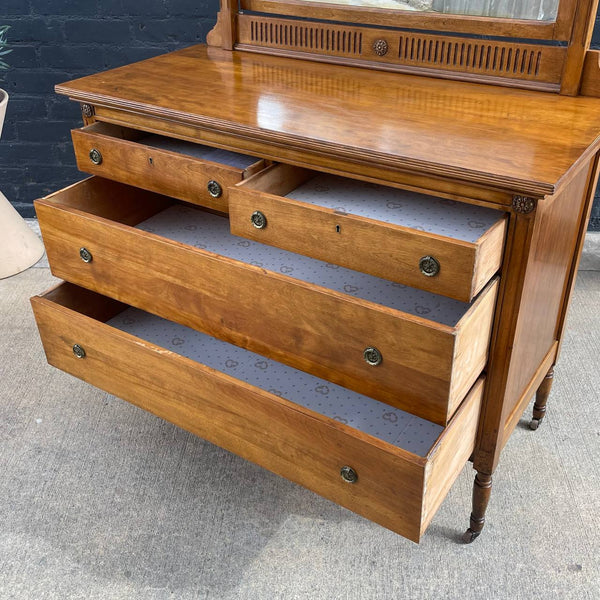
(523,204)
(87,110)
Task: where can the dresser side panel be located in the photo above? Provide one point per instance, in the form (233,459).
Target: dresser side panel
(546,282)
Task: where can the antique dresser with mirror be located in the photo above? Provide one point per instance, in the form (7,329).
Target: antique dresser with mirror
(338,241)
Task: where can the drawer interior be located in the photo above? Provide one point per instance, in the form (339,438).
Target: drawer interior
(380,420)
(210,232)
(444,246)
(206,153)
(409,348)
(265,412)
(404,208)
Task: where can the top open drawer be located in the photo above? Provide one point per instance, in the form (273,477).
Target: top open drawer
(183,170)
(442,246)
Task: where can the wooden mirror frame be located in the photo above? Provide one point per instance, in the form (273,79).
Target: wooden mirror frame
(540,55)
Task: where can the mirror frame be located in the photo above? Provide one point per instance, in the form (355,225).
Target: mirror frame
(540,55)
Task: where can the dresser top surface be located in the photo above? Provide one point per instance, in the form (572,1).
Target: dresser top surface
(489,135)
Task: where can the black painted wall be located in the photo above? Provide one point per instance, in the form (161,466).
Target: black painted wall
(57,40)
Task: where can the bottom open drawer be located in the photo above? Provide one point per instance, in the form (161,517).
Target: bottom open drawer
(387,465)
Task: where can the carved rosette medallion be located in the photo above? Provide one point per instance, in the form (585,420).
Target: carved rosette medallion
(380,47)
(523,204)
(87,110)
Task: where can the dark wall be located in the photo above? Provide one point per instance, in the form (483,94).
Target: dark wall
(57,40)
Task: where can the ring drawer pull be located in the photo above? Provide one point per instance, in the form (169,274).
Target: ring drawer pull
(429,266)
(258,219)
(78,351)
(96,156)
(86,255)
(372,356)
(349,475)
(214,188)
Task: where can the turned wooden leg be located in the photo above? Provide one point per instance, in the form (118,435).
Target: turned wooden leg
(482,489)
(541,398)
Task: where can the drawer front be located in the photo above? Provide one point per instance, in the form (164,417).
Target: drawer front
(440,264)
(109,151)
(395,488)
(426,368)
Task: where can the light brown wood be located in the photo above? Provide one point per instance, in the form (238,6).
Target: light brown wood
(537,66)
(532,155)
(590,79)
(489,255)
(586,209)
(517,412)
(472,344)
(533,297)
(581,34)
(426,184)
(327,336)
(167,172)
(445,461)
(393,485)
(317,35)
(513,140)
(385,250)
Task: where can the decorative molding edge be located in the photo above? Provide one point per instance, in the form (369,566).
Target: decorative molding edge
(523,204)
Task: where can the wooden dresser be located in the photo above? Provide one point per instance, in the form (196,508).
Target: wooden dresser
(355,278)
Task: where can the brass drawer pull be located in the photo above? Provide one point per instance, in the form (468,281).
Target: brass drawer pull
(78,351)
(214,188)
(429,266)
(86,255)
(372,356)
(349,475)
(96,156)
(258,219)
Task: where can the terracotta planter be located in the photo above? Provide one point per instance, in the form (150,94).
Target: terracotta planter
(3,103)
(19,246)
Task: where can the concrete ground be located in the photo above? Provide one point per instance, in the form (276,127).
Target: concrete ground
(100,500)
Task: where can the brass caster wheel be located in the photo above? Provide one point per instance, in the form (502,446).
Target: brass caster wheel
(534,424)
(470,536)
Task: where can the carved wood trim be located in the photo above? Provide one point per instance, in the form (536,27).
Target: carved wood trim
(492,61)
(523,204)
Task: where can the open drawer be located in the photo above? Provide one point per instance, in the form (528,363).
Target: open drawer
(414,350)
(438,245)
(386,465)
(184,170)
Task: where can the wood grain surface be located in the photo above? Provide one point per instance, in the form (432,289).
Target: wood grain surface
(294,442)
(382,249)
(163,171)
(514,140)
(309,327)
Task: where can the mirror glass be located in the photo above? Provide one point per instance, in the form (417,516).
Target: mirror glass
(538,10)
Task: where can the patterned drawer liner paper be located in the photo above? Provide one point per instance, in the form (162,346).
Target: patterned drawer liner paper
(216,155)
(197,228)
(392,425)
(448,218)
